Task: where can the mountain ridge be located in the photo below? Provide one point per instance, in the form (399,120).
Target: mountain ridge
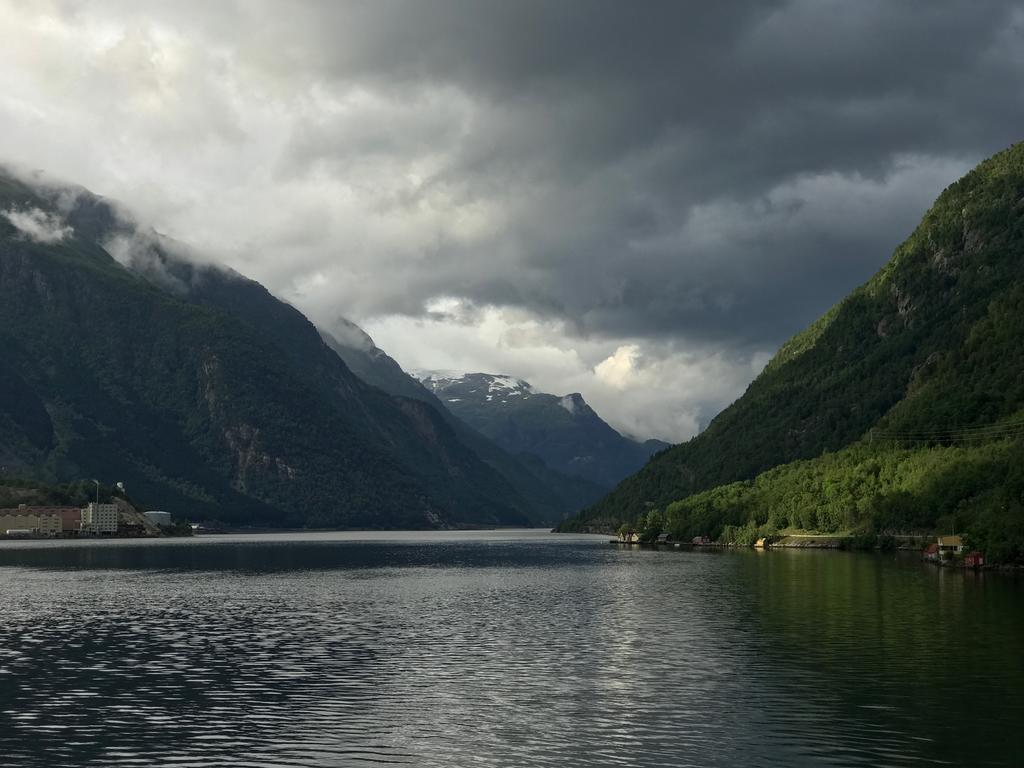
(553,494)
(199,388)
(931,343)
(563,431)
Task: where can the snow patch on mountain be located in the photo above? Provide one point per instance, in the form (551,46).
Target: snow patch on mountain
(523,420)
(436,379)
(508,385)
(497,385)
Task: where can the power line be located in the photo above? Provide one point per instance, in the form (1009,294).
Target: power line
(955,434)
(940,438)
(957,430)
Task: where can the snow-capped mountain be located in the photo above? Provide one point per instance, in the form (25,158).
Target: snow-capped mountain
(563,431)
(498,388)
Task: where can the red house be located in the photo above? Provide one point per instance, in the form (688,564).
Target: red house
(974,560)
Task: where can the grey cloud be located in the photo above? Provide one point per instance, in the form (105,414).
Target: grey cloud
(596,125)
(139,252)
(668,173)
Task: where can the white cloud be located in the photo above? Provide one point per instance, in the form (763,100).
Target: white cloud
(38,225)
(619,369)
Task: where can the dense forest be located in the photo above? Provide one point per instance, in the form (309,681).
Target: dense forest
(927,356)
(872,493)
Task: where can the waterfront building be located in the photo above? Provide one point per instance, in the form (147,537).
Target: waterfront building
(974,560)
(952,545)
(71,517)
(100,519)
(28,524)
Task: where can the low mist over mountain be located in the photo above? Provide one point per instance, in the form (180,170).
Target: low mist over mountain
(564,432)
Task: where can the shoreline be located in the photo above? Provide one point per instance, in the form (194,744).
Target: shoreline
(827,543)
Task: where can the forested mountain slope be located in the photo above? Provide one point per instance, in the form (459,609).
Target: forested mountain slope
(200,390)
(930,348)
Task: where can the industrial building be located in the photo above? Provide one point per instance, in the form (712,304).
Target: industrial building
(13,522)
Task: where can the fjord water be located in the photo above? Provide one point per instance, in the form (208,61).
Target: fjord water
(499,649)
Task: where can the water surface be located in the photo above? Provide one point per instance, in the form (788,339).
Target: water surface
(499,649)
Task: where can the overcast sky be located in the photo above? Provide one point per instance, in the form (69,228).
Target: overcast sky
(636,201)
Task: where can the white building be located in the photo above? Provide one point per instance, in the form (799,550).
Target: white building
(156,517)
(99,519)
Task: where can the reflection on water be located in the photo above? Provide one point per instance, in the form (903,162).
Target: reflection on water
(498,649)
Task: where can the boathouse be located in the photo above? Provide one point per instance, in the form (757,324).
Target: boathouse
(950,545)
(974,560)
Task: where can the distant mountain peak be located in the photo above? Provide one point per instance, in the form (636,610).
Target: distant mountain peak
(492,386)
(563,431)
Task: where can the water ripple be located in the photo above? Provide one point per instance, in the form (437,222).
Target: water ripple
(498,650)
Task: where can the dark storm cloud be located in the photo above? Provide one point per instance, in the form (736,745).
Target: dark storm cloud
(639,201)
(601,124)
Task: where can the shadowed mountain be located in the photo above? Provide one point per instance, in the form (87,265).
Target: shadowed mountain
(552,494)
(200,390)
